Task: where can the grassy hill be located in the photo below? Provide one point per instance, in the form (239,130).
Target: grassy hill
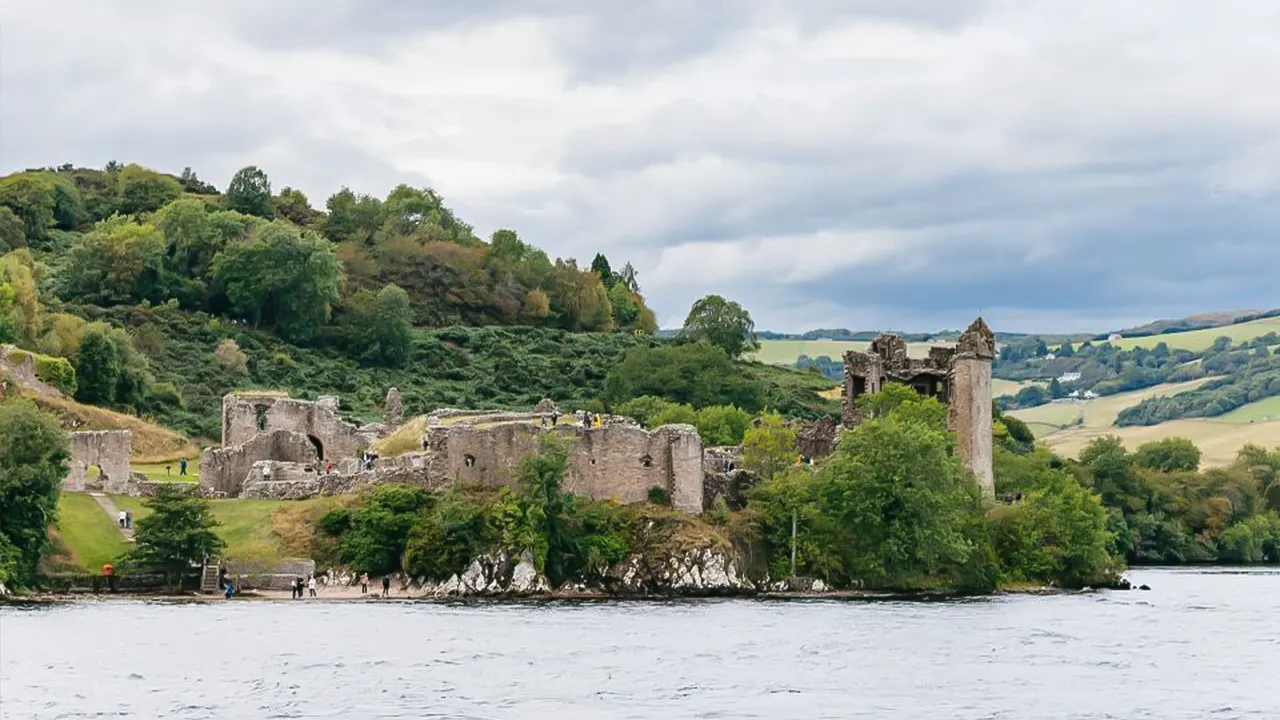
(152,443)
(1068,427)
(1197,340)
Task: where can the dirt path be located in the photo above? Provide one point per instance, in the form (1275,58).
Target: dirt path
(112,512)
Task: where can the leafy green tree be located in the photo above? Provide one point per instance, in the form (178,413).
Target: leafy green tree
(695,374)
(195,236)
(904,510)
(144,191)
(579,300)
(13,233)
(177,535)
(1172,454)
(906,403)
(292,205)
(769,446)
(119,262)
(352,218)
(249,193)
(282,278)
(97,369)
(629,278)
(722,323)
(33,454)
(674,414)
(1058,534)
(547,508)
(31,197)
(722,424)
(1110,468)
(507,246)
(192,183)
(109,370)
(448,537)
(10,322)
(381,325)
(374,536)
(17,271)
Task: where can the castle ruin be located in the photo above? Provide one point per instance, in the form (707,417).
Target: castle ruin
(278,447)
(107,450)
(959,377)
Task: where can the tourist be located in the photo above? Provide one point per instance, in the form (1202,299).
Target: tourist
(297,587)
(364,583)
(266,473)
(120,517)
(386,586)
(555,417)
(128,519)
(311,585)
(227,591)
(182,466)
(328,467)
(542,420)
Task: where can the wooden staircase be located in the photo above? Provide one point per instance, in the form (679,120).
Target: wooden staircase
(209,579)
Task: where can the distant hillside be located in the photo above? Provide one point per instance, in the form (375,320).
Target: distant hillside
(1192,322)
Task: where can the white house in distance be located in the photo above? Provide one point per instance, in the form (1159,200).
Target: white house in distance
(1067,377)
(1114,336)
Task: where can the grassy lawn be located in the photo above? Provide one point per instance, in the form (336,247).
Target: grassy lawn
(156,471)
(87,532)
(1262,410)
(1010,387)
(244,524)
(1202,339)
(786,352)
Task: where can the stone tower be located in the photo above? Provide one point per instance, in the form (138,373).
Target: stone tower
(959,377)
(969,411)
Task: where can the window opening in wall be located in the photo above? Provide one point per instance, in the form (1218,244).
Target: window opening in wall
(646,461)
(260,416)
(859,386)
(469,460)
(319,446)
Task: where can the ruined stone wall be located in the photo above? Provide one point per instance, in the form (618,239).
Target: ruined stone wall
(224,470)
(616,461)
(109,449)
(317,420)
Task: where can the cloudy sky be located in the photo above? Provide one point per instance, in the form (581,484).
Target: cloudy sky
(852,163)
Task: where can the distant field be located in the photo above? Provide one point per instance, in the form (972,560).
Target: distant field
(1267,409)
(1009,387)
(786,352)
(1201,339)
(1218,441)
(1098,413)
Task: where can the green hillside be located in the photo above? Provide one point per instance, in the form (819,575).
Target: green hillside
(1198,340)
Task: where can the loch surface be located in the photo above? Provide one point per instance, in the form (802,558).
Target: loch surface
(1203,643)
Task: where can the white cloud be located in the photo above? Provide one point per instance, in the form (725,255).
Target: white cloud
(1075,160)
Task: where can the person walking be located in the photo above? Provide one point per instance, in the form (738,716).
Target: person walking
(128,519)
(386,586)
(182,466)
(364,583)
(311,585)
(120,517)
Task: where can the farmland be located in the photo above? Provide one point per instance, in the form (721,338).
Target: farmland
(786,352)
(1218,441)
(1197,340)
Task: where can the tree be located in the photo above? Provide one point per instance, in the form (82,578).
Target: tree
(722,323)
(380,326)
(535,306)
(119,262)
(17,271)
(1058,534)
(696,374)
(546,507)
(177,535)
(10,322)
(249,192)
(600,266)
(97,369)
(31,197)
(281,277)
(903,511)
(352,218)
(1172,454)
(13,233)
(292,205)
(769,447)
(722,424)
(33,454)
(1111,469)
(231,358)
(193,184)
(629,278)
(579,299)
(144,191)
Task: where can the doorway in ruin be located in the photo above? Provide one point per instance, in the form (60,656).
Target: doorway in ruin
(319,446)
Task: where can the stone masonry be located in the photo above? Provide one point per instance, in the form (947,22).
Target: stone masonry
(960,377)
(247,415)
(107,449)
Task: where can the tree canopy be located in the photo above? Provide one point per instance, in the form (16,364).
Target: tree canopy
(722,323)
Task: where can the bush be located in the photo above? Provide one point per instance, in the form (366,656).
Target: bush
(447,537)
(1255,540)
(1057,535)
(231,358)
(57,372)
(658,496)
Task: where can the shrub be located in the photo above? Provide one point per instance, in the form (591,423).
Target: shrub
(658,496)
(57,372)
(447,537)
(231,358)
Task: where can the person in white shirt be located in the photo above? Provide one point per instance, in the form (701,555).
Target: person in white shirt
(121,518)
(311,585)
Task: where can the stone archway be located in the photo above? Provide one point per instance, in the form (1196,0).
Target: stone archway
(319,446)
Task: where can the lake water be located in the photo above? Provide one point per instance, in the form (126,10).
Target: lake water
(1201,644)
